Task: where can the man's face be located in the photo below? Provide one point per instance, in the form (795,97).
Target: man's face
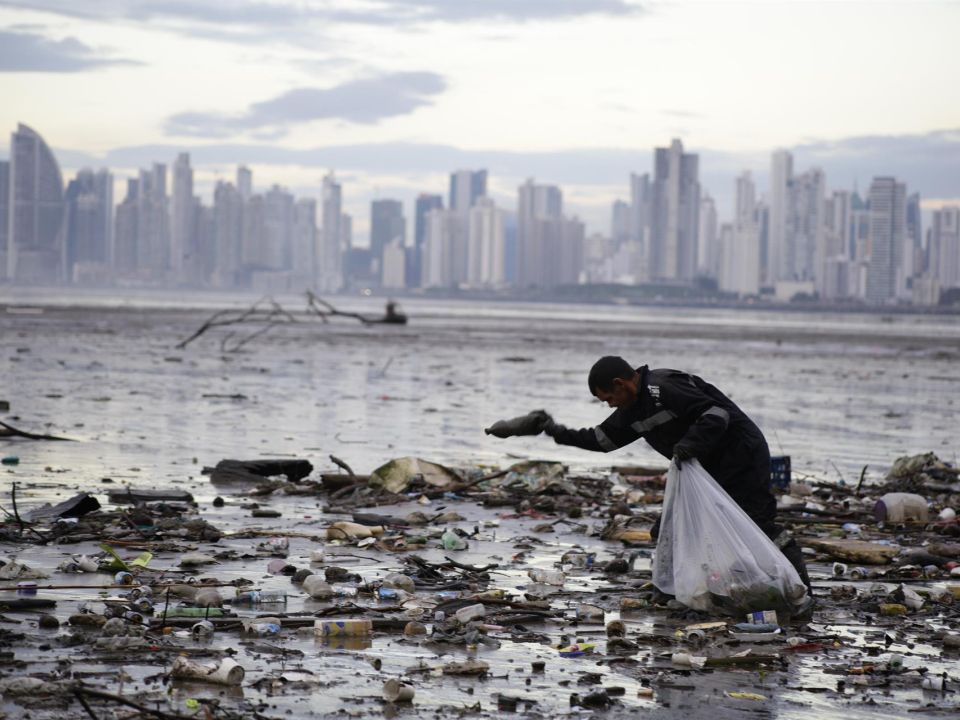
(622,394)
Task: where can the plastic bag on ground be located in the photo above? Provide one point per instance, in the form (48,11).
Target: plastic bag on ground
(711,556)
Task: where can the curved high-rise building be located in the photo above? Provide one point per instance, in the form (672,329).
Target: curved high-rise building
(35,237)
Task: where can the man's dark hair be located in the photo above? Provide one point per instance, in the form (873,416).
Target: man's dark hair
(606,370)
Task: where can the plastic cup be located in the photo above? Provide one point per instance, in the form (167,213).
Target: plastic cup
(395,691)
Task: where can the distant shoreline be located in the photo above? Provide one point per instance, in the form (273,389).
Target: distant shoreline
(627,296)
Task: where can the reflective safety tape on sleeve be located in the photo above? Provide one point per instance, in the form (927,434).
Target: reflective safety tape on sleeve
(655,420)
(605,442)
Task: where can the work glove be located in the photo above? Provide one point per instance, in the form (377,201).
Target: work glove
(533,423)
(681,455)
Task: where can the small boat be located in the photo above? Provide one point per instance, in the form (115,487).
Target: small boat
(394,315)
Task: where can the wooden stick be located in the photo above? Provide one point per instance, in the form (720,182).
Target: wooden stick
(10,431)
(122,700)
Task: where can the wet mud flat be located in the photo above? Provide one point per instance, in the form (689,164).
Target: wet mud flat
(147,417)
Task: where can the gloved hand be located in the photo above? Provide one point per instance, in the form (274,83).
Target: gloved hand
(681,455)
(551,426)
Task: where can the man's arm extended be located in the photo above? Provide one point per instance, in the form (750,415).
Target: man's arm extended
(607,436)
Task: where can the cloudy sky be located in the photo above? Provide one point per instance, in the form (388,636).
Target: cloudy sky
(393,94)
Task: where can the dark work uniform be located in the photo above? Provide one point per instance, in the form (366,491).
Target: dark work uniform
(674,409)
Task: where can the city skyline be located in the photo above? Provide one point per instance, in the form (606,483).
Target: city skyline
(804,239)
(393,94)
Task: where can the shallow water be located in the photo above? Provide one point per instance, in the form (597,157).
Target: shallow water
(836,392)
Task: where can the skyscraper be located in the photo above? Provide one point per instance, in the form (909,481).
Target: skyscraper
(181,216)
(640,205)
(386,225)
(944,246)
(781,177)
(486,245)
(244,182)
(228,233)
(125,245)
(330,277)
(153,224)
(4,215)
(620,223)
(424,204)
(888,231)
(278,219)
(805,246)
(466,187)
(914,255)
(535,203)
(35,213)
(744,277)
(675,207)
(708,255)
(89,225)
(305,236)
(443,229)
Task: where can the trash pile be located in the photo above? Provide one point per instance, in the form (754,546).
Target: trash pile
(455,590)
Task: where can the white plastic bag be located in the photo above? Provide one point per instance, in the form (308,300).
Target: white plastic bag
(712,556)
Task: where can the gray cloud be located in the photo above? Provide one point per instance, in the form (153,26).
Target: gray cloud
(362,101)
(240,18)
(30,52)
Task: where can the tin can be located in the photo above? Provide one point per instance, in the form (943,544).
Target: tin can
(27,587)
(763,617)
(202,629)
(123,578)
(143,605)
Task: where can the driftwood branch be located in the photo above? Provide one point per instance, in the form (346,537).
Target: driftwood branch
(325,310)
(266,311)
(268,314)
(10,431)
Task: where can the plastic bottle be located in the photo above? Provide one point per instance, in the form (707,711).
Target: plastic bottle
(471,612)
(452,541)
(401,581)
(547,577)
(208,597)
(263,628)
(227,672)
(347,591)
(317,588)
(260,597)
(901,507)
(392,594)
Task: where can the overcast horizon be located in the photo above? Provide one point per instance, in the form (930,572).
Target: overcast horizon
(395,94)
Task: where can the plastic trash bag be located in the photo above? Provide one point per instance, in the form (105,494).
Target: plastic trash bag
(711,556)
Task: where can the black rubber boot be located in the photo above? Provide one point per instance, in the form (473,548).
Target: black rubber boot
(794,554)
